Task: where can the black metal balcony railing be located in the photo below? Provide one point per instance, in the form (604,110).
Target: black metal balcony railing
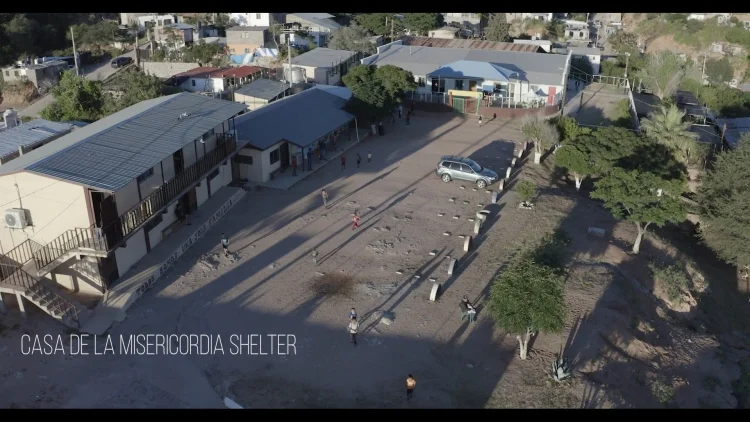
(90,238)
(161,197)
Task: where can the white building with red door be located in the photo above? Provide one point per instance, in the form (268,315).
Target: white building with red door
(511,78)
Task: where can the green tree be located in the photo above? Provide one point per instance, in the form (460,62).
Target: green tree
(719,71)
(497,27)
(569,128)
(139,87)
(555,30)
(528,298)
(667,127)
(376,23)
(76,98)
(642,198)
(624,42)
(22,32)
(526,191)
(608,147)
(352,38)
(573,157)
(662,73)
(201,52)
(421,23)
(724,203)
(395,81)
(371,101)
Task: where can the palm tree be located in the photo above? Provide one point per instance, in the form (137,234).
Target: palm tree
(667,127)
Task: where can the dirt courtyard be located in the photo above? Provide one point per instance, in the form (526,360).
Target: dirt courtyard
(614,329)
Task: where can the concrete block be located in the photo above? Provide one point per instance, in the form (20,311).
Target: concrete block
(452,199)
(484,212)
(513,163)
(481,216)
(501,185)
(433,253)
(452,266)
(462,187)
(456,217)
(525,146)
(467,244)
(434,292)
(507,173)
(440,214)
(446,233)
(433,279)
(477,226)
(519,153)
(471,220)
(399,272)
(494,194)
(474,189)
(466,202)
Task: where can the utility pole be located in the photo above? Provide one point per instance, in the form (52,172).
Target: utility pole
(289,55)
(137,56)
(703,72)
(392,29)
(75,54)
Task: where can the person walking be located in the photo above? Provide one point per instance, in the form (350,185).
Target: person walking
(400,111)
(355,220)
(359,159)
(465,307)
(369,157)
(294,166)
(480,120)
(353,329)
(353,314)
(324,194)
(225,244)
(410,384)
(413,104)
(472,312)
(343,162)
(309,159)
(314,255)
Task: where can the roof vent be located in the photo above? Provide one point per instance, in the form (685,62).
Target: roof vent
(182,116)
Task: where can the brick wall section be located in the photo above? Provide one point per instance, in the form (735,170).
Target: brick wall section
(166,69)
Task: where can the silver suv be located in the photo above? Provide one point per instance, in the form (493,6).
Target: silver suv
(451,167)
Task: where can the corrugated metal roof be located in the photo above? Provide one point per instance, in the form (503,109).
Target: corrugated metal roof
(734,129)
(198,72)
(110,153)
(322,57)
(30,134)
(473,44)
(263,88)
(237,72)
(300,119)
(543,69)
(323,20)
(472,70)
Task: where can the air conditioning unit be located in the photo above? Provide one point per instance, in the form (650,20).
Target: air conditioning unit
(15,218)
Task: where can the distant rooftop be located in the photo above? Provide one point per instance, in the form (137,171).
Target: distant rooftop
(180,26)
(323,20)
(111,152)
(472,44)
(735,129)
(322,57)
(247,28)
(30,135)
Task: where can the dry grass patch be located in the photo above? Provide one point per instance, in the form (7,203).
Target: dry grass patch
(333,285)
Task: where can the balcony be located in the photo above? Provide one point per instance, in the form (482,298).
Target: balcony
(169,191)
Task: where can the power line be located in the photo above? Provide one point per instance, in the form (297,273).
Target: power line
(37,231)
(30,193)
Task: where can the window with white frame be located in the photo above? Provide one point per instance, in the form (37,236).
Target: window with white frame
(244,35)
(257,16)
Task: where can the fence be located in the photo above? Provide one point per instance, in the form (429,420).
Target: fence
(90,238)
(428,97)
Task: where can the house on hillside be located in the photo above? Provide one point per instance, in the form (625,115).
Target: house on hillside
(245,39)
(19,139)
(470,21)
(323,65)
(577,30)
(174,36)
(545,45)
(288,128)
(128,19)
(592,55)
(446,32)
(316,25)
(155,21)
(505,78)
(44,76)
(261,92)
(257,19)
(475,44)
(215,80)
(84,209)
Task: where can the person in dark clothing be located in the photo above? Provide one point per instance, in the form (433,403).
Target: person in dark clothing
(309,159)
(359,159)
(343,162)
(225,244)
(466,306)
(413,104)
(410,384)
(294,166)
(369,156)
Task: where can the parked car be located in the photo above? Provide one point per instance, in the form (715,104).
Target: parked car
(121,61)
(451,167)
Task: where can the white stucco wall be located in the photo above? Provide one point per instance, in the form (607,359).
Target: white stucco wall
(251,172)
(78,275)
(53,205)
(130,255)
(201,192)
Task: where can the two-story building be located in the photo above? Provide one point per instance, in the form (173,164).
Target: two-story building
(316,25)
(257,19)
(246,39)
(175,35)
(82,210)
(510,78)
(322,65)
(155,21)
(216,80)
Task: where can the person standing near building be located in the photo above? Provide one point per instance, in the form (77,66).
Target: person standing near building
(353,329)
(314,255)
(324,194)
(400,111)
(359,159)
(353,314)
(225,244)
(294,166)
(369,157)
(309,159)
(480,120)
(411,383)
(343,162)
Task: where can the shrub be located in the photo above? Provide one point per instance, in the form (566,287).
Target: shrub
(525,190)
(672,278)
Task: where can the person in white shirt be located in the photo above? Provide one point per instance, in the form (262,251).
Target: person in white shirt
(353,329)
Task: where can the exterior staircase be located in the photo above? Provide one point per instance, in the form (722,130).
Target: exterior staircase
(16,268)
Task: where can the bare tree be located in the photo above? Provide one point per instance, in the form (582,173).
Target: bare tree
(543,134)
